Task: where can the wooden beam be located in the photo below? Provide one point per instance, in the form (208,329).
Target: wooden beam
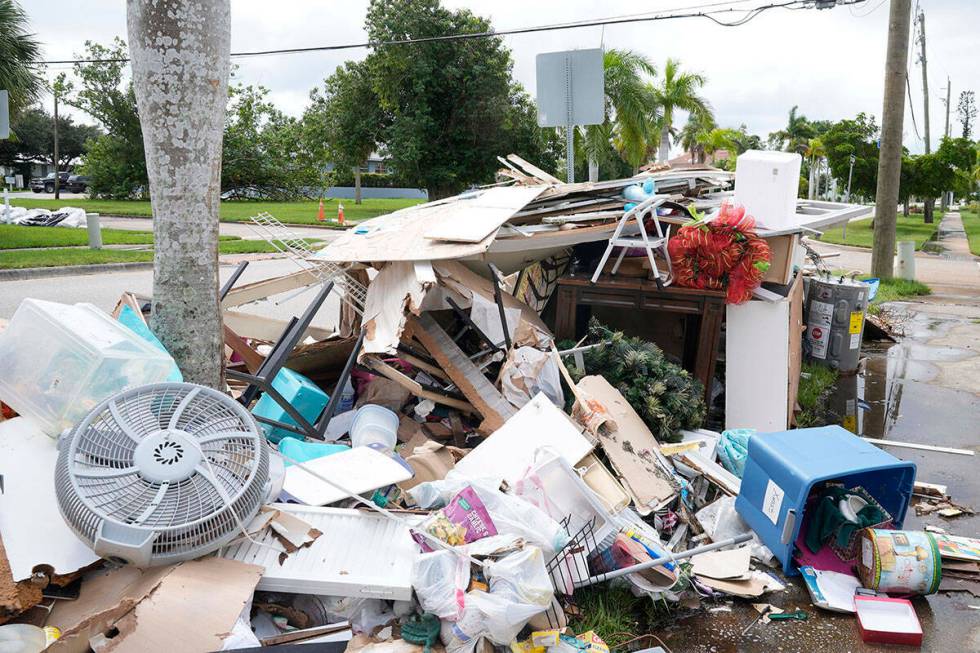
(534,170)
(253,359)
(464,373)
(414,386)
(253,292)
(248,325)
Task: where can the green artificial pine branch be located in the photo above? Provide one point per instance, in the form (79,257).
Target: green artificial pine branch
(664,395)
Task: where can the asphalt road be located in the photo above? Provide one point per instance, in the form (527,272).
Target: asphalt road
(104,290)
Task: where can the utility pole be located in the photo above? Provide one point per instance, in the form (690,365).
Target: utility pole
(947,195)
(928,201)
(948,89)
(57,171)
(925,76)
(890,155)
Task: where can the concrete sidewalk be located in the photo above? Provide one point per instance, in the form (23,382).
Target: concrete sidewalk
(946,275)
(952,238)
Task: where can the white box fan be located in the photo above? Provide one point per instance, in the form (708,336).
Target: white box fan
(162,473)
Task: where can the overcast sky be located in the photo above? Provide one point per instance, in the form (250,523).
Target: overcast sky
(830,63)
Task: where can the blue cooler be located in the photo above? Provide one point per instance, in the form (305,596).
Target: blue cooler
(301,393)
(782,468)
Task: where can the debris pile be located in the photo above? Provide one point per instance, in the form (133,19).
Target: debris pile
(438,471)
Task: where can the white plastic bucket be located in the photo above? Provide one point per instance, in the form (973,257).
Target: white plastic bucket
(374,424)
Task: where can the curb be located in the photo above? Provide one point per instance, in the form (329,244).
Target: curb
(38,273)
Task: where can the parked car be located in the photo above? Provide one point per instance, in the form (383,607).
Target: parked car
(46,184)
(77,184)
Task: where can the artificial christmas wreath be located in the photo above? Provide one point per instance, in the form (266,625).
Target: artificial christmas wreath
(722,254)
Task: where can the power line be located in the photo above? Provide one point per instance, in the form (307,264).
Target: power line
(749,14)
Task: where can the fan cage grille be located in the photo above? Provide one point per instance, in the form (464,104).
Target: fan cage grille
(96,479)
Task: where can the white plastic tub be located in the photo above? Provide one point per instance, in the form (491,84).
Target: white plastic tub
(374,425)
(57,361)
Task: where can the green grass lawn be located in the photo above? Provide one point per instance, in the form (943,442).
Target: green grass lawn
(237,211)
(971,224)
(47,258)
(860,233)
(14,236)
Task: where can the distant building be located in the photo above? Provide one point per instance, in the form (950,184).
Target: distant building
(685,159)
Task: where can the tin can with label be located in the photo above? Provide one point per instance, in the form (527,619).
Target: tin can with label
(899,562)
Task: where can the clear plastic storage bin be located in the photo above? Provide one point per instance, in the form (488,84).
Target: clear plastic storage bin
(57,361)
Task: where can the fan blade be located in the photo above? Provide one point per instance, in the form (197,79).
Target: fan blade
(224,435)
(105,472)
(154,503)
(181,407)
(205,472)
(126,427)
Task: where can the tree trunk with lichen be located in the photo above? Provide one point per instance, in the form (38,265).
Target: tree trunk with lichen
(180,59)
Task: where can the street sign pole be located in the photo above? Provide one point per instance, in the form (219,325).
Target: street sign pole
(4,115)
(570,92)
(569,125)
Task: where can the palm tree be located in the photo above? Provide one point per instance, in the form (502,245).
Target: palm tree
(677,90)
(814,152)
(696,128)
(629,111)
(797,134)
(18,50)
(719,139)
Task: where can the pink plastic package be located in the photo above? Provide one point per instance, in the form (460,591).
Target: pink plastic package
(464,519)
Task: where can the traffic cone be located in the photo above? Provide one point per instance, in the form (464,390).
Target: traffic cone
(340,213)
(319,216)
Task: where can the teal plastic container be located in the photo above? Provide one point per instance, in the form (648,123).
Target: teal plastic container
(301,393)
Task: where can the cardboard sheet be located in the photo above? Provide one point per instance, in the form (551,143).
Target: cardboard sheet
(187,607)
(732,564)
(411,234)
(758,584)
(394,290)
(510,450)
(631,447)
(33,530)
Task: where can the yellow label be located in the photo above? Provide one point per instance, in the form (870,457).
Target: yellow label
(857,321)
(850,423)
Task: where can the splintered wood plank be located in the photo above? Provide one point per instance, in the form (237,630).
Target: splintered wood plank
(630,447)
(468,378)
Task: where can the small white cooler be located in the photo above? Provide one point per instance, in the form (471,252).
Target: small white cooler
(766,184)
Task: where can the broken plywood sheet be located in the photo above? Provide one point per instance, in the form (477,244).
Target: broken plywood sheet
(395,290)
(464,373)
(30,522)
(631,447)
(187,607)
(466,283)
(410,234)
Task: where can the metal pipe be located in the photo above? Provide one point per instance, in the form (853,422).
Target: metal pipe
(662,560)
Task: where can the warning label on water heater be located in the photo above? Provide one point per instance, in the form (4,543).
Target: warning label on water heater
(818,328)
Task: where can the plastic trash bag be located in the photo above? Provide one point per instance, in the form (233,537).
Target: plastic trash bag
(721,521)
(440,579)
(528,371)
(733,449)
(519,589)
(511,515)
